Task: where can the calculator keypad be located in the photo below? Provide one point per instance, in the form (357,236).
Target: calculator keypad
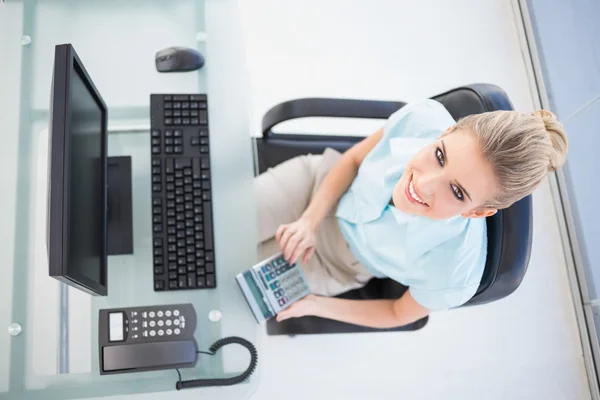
(285,281)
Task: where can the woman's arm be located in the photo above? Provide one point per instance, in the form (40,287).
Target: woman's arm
(371,313)
(338,179)
(297,239)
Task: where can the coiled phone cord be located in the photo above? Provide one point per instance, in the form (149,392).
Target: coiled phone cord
(223,381)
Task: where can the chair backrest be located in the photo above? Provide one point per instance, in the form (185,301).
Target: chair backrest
(509,230)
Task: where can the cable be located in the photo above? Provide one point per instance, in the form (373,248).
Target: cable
(223,381)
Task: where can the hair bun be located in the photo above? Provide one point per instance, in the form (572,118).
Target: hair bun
(558,138)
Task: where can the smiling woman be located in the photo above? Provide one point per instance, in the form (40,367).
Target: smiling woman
(333,212)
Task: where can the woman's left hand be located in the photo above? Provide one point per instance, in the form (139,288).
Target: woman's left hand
(301,308)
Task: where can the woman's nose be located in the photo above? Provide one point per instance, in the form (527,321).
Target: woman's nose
(429,182)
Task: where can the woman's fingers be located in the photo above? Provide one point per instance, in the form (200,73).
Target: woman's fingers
(292,244)
(308,254)
(279,232)
(300,248)
(285,237)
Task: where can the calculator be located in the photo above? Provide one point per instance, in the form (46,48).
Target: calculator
(272,286)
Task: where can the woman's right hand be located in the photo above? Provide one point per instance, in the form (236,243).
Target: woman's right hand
(296,240)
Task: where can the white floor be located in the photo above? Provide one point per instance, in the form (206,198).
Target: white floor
(523,347)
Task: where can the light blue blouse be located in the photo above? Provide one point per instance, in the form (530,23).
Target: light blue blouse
(441,262)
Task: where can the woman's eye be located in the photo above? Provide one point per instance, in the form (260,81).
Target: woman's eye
(440,156)
(457,192)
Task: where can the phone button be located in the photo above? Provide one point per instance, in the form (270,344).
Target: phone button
(169,332)
(177,331)
(152,333)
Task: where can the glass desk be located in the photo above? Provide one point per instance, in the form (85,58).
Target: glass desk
(55,356)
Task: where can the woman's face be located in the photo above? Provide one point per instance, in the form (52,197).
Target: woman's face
(447,178)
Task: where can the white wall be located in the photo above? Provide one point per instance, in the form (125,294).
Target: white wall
(523,347)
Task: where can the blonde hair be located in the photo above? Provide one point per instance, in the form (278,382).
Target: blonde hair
(521,148)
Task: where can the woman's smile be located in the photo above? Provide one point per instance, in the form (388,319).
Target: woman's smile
(412,194)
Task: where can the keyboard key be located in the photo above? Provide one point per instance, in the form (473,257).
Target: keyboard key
(173,284)
(181,270)
(172,274)
(181,163)
(159,285)
(203,132)
(168,105)
(169,142)
(176,121)
(204,141)
(200,282)
(181,97)
(158,242)
(185,113)
(210,280)
(182,282)
(198,97)
(191,280)
(204,149)
(185,105)
(208,225)
(155,162)
(194,121)
(178,149)
(155,134)
(204,163)
(169,133)
(210,267)
(155,149)
(168,121)
(177,113)
(203,117)
(159,270)
(194,113)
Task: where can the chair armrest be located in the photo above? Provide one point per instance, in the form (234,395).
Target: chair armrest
(327,107)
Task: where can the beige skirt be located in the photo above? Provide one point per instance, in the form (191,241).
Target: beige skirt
(283,193)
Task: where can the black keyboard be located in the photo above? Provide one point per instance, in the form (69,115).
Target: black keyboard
(182,228)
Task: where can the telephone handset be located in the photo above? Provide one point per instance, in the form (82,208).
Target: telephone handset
(138,339)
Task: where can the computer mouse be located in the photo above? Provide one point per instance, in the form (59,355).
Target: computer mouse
(178,59)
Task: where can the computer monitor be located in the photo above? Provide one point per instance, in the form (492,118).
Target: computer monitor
(77,190)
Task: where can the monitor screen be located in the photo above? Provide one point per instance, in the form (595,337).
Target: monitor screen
(77,206)
(86,209)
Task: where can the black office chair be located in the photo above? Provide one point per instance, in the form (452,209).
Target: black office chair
(509,231)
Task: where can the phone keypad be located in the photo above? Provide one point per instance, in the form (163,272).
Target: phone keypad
(153,323)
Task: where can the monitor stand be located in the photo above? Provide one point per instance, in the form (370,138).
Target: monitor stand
(120,219)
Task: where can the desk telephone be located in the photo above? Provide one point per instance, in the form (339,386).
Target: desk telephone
(151,338)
